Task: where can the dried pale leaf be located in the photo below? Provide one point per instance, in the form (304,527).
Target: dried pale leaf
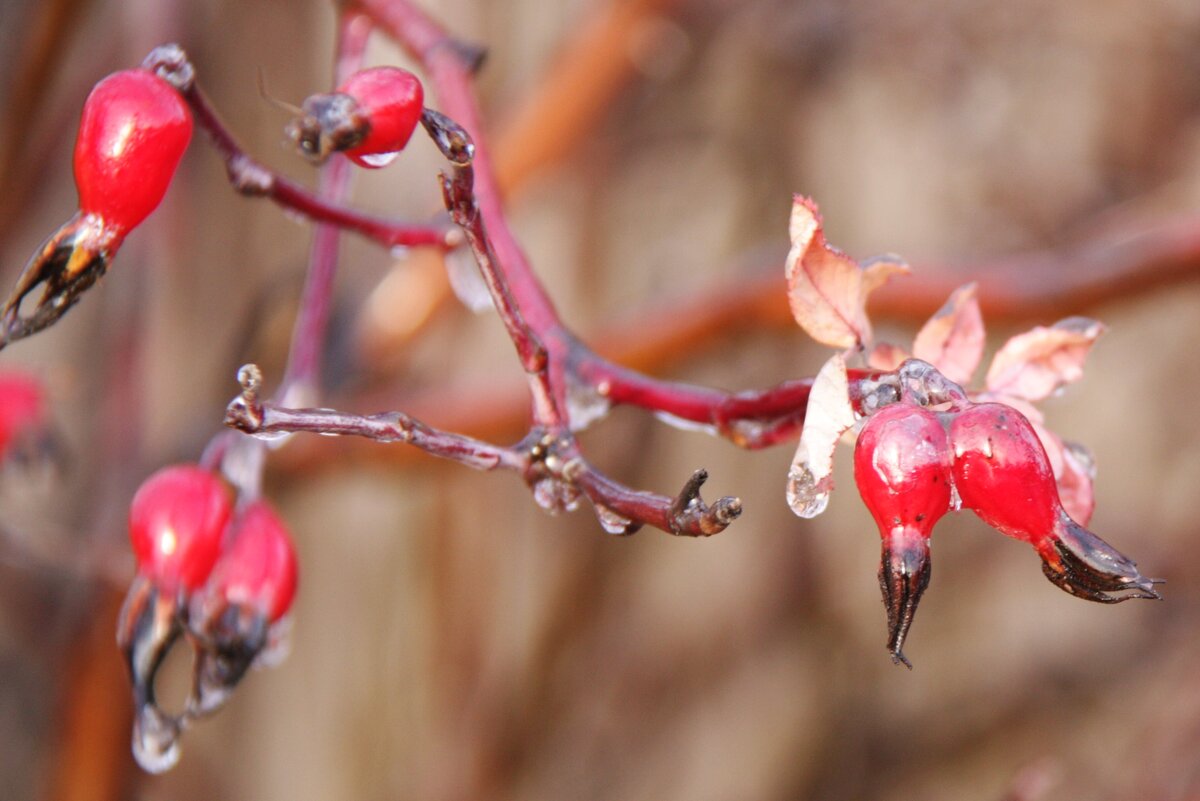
(886,356)
(953,338)
(1076,484)
(827,290)
(828,415)
(879,270)
(1034,365)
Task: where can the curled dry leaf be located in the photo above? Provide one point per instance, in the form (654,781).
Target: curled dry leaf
(953,339)
(828,416)
(1037,363)
(827,290)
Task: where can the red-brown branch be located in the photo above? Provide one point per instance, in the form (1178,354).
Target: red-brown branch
(254,179)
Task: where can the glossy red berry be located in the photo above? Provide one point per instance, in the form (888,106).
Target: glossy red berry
(22,407)
(1002,472)
(258,569)
(391,100)
(134,130)
(176,524)
(902,469)
(251,588)
(370,117)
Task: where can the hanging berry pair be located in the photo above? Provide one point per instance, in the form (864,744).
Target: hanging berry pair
(912,462)
(134,130)
(224,576)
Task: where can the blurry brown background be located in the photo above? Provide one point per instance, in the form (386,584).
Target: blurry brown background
(452,641)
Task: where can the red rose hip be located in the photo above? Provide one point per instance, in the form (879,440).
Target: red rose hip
(902,469)
(176,523)
(392,100)
(134,130)
(258,570)
(370,117)
(1002,472)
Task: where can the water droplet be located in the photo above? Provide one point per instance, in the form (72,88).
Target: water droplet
(378,159)
(746,431)
(466,280)
(242,464)
(686,425)
(612,522)
(555,496)
(585,405)
(806,495)
(155,740)
(276,438)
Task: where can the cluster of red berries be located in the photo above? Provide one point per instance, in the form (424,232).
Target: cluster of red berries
(225,576)
(912,464)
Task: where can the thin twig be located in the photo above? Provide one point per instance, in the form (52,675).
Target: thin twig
(254,179)
(252,416)
(333,184)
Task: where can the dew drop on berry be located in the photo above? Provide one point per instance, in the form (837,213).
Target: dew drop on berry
(612,522)
(378,159)
(155,740)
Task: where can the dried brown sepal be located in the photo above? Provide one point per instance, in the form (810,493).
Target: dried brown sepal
(147,629)
(904,573)
(65,267)
(232,637)
(328,123)
(1086,566)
